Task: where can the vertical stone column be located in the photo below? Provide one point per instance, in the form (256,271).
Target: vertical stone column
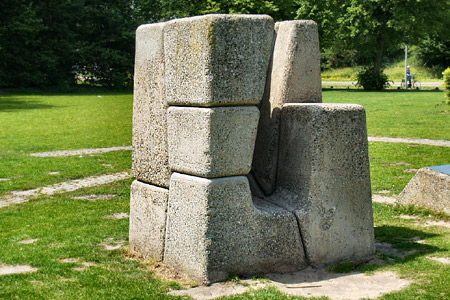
(294,77)
(216,70)
(149,193)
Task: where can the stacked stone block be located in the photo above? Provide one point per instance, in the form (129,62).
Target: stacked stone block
(199,83)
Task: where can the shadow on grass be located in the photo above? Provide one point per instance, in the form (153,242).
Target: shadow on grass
(10,105)
(408,245)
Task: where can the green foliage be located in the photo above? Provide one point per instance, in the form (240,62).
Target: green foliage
(446,74)
(374,29)
(434,52)
(370,79)
(50,42)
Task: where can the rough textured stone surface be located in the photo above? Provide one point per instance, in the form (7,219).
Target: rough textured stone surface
(148,206)
(294,77)
(212,142)
(214,230)
(429,189)
(150,160)
(323,177)
(217,60)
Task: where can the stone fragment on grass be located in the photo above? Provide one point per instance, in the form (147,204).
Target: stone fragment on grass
(323,177)
(214,229)
(148,206)
(150,160)
(212,142)
(294,77)
(429,188)
(217,60)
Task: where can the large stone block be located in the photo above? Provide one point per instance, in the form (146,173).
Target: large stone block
(214,230)
(294,77)
(429,188)
(323,177)
(150,159)
(212,142)
(217,60)
(148,206)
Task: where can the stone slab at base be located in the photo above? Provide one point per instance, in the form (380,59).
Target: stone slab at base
(217,60)
(148,206)
(150,159)
(323,177)
(212,142)
(214,230)
(429,189)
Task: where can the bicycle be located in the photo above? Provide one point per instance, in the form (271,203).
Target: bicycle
(413,84)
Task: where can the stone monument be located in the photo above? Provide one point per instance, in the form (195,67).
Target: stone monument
(240,169)
(429,188)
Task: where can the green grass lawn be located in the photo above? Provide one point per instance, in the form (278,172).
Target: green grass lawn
(76,230)
(48,122)
(409,114)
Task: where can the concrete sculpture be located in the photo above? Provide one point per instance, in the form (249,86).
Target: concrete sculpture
(206,200)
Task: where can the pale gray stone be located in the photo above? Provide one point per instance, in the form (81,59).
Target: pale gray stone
(215,230)
(217,60)
(323,177)
(294,77)
(150,158)
(429,189)
(212,142)
(148,207)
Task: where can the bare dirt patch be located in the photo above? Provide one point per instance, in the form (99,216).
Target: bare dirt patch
(69,260)
(383,192)
(19,269)
(437,223)
(383,199)
(68,279)
(94,197)
(160,270)
(406,217)
(17,197)
(397,164)
(5,179)
(309,283)
(117,216)
(388,249)
(411,170)
(79,152)
(54,173)
(111,245)
(442,260)
(442,143)
(30,241)
(86,265)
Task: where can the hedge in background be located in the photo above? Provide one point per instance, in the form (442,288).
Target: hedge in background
(446,74)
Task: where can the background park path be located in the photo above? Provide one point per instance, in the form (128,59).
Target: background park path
(431,84)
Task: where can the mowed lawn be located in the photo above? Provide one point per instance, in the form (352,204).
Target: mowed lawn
(47,122)
(408,114)
(72,236)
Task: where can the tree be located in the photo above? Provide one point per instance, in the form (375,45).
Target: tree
(374,27)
